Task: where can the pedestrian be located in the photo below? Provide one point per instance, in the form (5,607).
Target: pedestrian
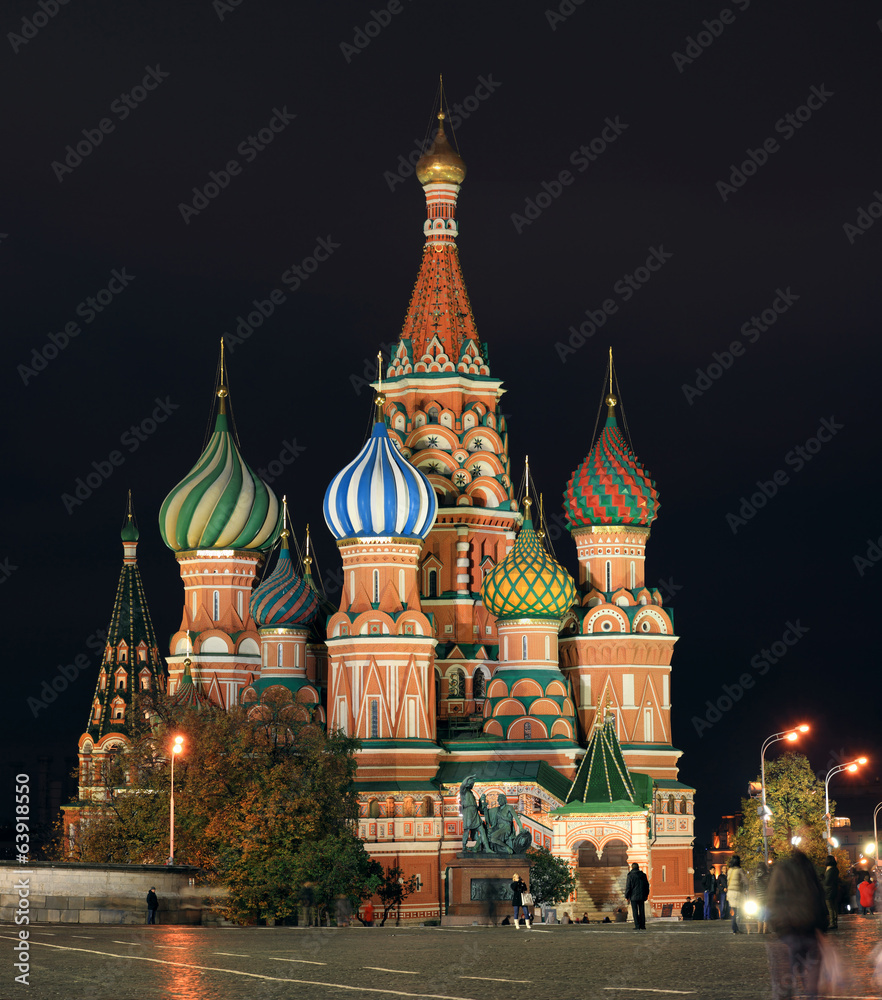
(722,886)
(152,905)
(760,894)
(709,885)
(585,919)
(737,888)
(831,890)
(369,914)
(687,909)
(343,907)
(797,912)
(637,892)
(867,894)
(518,888)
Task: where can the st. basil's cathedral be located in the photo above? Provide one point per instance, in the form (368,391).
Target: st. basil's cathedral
(460,645)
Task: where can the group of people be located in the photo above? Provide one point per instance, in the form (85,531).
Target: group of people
(729,891)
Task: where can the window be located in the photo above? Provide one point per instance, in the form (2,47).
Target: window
(193,602)
(239,603)
(374,809)
(664,873)
(608,576)
(433,583)
(505,649)
(375,719)
(296,655)
(376,597)
(647,725)
(628,689)
(456,688)
(523,647)
(548,647)
(478,684)
(633,576)
(428,806)
(216,605)
(528,730)
(411,718)
(278,654)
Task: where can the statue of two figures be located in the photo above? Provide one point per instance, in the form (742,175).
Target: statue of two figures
(497,829)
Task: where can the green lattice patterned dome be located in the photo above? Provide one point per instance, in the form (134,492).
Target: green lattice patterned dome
(528,583)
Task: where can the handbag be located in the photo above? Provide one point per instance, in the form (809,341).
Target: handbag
(527,899)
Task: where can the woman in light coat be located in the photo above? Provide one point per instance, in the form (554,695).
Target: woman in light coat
(737,889)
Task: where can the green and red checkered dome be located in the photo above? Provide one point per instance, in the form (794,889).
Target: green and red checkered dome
(610,486)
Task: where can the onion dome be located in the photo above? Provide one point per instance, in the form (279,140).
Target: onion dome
(528,583)
(610,486)
(130,531)
(221,503)
(441,162)
(284,599)
(380,494)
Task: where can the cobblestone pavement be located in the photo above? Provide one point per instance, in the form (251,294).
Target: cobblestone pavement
(561,962)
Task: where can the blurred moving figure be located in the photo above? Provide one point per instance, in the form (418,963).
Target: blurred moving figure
(760,894)
(831,890)
(797,913)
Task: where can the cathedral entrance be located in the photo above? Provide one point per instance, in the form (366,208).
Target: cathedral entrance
(600,880)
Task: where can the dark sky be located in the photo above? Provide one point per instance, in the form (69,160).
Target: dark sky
(535,88)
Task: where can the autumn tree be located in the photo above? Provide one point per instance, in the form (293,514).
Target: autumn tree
(551,880)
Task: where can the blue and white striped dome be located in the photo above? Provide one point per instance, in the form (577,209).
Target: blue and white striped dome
(380,494)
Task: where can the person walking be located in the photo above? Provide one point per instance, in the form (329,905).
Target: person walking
(637,892)
(737,889)
(797,912)
(152,905)
(831,890)
(867,895)
(518,888)
(760,894)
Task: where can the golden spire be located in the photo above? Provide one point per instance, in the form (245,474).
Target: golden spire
(611,399)
(380,397)
(541,531)
(285,533)
(528,503)
(307,559)
(223,391)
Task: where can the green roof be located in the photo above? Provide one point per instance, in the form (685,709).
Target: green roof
(498,771)
(590,808)
(603,775)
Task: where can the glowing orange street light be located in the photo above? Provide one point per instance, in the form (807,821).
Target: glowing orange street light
(790,735)
(851,766)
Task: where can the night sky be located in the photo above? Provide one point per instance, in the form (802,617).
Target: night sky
(735,147)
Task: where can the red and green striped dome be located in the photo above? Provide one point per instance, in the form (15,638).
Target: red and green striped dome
(610,486)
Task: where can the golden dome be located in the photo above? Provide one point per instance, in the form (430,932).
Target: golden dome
(442,162)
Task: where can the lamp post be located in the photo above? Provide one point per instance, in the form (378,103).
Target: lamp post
(852,766)
(790,735)
(876,837)
(177,747)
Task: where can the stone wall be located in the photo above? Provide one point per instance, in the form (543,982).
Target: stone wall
(105,894)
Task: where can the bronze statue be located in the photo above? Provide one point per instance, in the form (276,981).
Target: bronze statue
(471,819)
(501,823)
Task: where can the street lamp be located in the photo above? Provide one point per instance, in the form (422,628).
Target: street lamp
(852,766)
(790,735)
(876,837)
(177,747)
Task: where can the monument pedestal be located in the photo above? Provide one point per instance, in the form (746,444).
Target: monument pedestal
(479,887)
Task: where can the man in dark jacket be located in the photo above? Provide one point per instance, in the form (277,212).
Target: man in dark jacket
(686,909)
(152,905)
(637,892)
(709,885)
(831,890)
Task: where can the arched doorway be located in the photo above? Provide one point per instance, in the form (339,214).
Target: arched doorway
(600,878)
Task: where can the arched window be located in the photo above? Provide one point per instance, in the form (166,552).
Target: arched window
(296,655)
(523,647)
(548,647)
(433,415)
(433,583)
(478,684)
(375,718)
(608,576)
(456,688)
(376,597)
(633,576)
(528,730)
(278,654)
(239,603)
(216,605)
(428,806)
(374,809)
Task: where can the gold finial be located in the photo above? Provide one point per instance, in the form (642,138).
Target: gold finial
(285,533)
(129,509)
(222,391)
(380,397)
(541,531)
(610,370)
(307,559)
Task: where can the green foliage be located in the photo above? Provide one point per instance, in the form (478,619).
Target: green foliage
(796,798)
(394,889)
(551,880)
(337,865)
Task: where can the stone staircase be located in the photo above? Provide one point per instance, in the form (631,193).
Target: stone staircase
(599,891)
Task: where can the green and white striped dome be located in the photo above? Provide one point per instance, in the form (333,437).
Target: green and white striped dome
(221,503)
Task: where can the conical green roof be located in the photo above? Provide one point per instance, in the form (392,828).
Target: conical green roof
(603,775)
